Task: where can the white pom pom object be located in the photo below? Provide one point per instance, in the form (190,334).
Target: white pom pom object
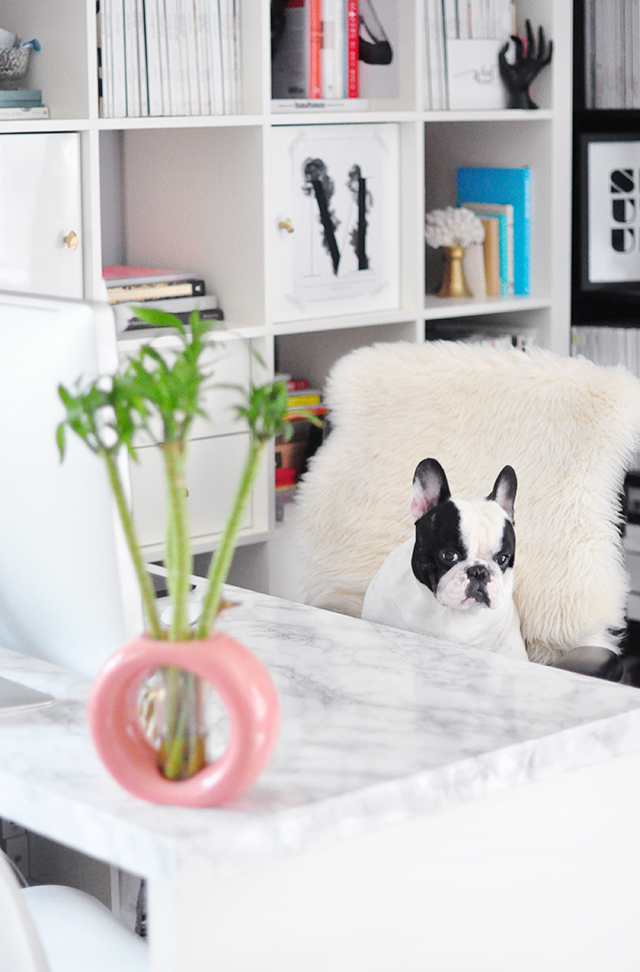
(453,227)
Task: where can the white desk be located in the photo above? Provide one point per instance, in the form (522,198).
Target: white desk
(425,809)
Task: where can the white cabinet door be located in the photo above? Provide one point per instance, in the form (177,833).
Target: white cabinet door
(333,229)
(40,206)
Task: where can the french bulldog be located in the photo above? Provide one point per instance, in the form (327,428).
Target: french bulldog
(454,579)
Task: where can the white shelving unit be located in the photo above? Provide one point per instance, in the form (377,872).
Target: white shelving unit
(195,193)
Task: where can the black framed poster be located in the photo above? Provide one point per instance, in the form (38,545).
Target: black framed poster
(610,211)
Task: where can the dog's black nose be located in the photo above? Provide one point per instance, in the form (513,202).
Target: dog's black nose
(478,572)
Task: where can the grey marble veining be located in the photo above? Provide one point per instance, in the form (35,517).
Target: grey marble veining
(378,725)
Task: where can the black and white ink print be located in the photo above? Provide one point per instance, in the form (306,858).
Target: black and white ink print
(338,212)
(613,212)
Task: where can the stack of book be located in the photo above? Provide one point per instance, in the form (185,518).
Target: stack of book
(489,336)
(316,55)
(502,200)
(612,53)
(292,454)
(168,57)
(463,38)
(22,103)
(169,290)
(608,345)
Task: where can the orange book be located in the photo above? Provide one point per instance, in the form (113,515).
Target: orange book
(491,248)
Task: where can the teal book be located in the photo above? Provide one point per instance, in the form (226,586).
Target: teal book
(506,187)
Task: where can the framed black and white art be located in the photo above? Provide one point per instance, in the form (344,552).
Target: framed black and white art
(610,211)
(335,220)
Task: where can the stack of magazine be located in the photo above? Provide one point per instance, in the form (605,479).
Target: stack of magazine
(462,41)
(168,57)
(612,53)
(22,103)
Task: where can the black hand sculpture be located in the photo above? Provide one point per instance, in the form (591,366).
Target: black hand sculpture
(526,67)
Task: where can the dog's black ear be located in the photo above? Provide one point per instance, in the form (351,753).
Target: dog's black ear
(430,487)
(504,490)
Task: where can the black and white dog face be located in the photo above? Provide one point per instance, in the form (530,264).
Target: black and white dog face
(464,550)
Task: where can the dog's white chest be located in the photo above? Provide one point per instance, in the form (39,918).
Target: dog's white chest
(395,597)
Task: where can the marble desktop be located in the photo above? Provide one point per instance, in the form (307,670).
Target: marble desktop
(378,726)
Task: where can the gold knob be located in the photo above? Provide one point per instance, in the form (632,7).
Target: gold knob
(286,225)
(71,240)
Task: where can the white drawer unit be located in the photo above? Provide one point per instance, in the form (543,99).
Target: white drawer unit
(218,447)
(40,241)
(214,467)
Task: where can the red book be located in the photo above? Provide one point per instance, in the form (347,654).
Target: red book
(353,43)
(315,48)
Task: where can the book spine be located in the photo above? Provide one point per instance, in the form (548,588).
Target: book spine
(352,48)
(132,67)
(142,59)
(522,252)
(143,292)
(226,48)
(17,113)
(451,19)
(504,256)
(191,56)
(164,57)
(491,249)
(315,48)
(340,64)
(176,51)
(202,14)
(237,62)
(106,66)
(328,53)
(119,67)
(154,69)
(215,53)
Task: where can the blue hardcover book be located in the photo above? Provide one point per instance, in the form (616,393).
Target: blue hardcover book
(504,186)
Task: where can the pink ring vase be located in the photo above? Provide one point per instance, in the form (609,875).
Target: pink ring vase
(243,684)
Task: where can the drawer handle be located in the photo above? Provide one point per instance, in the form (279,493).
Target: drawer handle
(71,240)
(286,225)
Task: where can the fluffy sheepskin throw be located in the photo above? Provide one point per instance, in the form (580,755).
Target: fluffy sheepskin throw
(568,427)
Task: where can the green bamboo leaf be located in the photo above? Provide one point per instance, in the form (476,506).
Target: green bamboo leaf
(60,440)
(157,318)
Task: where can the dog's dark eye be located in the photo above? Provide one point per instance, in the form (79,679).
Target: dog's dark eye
(501,559)
(449,556)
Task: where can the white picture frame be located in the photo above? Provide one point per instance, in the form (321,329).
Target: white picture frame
(334,221)
(611,176)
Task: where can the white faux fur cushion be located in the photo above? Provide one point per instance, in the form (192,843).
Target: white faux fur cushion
(567,426)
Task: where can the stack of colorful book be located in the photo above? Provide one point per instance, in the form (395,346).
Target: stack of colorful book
(169,290)
(316,53)
(292,454)
(502,199)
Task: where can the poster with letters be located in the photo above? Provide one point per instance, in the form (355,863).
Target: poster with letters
(613,212)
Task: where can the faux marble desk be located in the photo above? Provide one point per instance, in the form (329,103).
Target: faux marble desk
(425,809)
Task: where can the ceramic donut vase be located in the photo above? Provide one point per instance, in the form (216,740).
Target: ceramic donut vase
(242,683)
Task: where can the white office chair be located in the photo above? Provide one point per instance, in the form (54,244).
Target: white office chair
(57,929)
(568,427)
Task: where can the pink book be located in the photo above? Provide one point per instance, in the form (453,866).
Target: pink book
(115,275)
